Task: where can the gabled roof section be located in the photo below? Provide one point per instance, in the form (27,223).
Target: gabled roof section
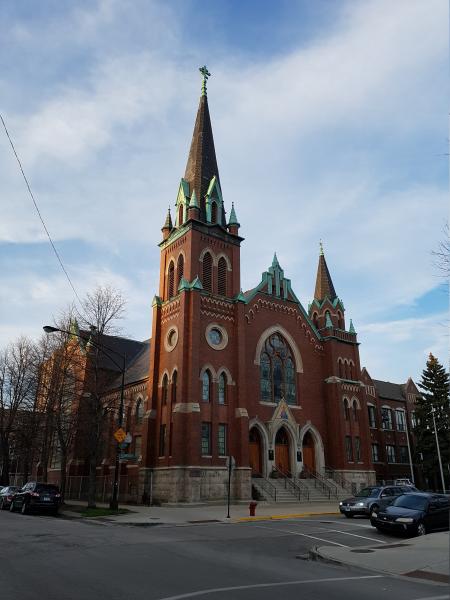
(390,391)
(201,165)
(137,368)
(324,284)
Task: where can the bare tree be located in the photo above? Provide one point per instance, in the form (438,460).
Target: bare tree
(442,254)
(100,314)
(18,384)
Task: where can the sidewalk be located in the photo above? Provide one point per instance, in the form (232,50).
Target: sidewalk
(188,514)
(425,557)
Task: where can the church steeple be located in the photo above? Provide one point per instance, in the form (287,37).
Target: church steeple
(324,285)
(201,165)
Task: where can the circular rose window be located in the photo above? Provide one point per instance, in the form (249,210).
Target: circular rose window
(171,339)
(216,336)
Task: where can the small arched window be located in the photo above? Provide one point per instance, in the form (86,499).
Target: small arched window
(206,386)
(207,272)
(346,410)
(174,387)
(213,212)
(171,281)
(180,269)
(340,320)
(222,388)
(165,390)
(355,410)
(315,321)
(222,277)
(340,367)
(139,411)
(180,215)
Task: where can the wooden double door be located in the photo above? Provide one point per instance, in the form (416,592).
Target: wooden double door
(255,451)
(282,451)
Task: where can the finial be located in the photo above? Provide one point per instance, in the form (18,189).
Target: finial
(351,328)
(233,219)
(275,262)
(204,71)
(321,248)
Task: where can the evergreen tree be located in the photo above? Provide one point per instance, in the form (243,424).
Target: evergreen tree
(434,399)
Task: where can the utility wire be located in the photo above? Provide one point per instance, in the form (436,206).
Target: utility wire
(39,213)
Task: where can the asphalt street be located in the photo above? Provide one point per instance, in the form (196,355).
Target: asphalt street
(61,559)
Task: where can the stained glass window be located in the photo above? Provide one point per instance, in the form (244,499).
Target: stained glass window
(277,371)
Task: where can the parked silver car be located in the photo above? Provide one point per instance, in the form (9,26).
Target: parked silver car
(6,496)
(370,498)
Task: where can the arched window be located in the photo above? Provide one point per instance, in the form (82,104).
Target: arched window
(170,280)
(355,410)
(277,371)
(340,320)
(174,387)
(213,212)
(180,269)
(222,277)
(222,388)
(207,272)
(164,390)
(139,411)
(180,215)
(206,386)
(346,410)
(315,321)
(340,369)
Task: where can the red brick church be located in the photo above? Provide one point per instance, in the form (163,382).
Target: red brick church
(249,374)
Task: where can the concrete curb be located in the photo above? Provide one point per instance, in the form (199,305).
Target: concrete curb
(316,554)
(289,516)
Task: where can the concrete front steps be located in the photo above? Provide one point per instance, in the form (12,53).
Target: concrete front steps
(285,493)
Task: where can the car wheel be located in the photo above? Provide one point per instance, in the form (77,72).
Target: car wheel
(348,515)
(24,509)
(421,530)
(374,509)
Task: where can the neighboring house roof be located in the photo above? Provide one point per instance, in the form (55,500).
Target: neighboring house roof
(390,391)
(137,368)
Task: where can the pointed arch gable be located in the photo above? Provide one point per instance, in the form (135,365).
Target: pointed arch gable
(227,260)
(207,250)
(318,445)
(210,368)
(230,380)
(290,340)
(165,372)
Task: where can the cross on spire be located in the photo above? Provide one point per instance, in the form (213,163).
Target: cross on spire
(204,71)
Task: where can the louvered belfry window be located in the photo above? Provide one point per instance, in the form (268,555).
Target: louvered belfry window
(222,277)
(170,281)
(213,212)
(180,269)
(207,272)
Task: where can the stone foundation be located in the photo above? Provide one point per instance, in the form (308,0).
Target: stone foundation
(358,479)
(194,484)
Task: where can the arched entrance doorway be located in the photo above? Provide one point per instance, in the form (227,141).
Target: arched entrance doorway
(309,452)
(282,462)
(255,445)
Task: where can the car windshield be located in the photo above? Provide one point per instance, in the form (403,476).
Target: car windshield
(46,487)
(369,492)
(411,501)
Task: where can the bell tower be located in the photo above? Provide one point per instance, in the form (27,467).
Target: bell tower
(193,417)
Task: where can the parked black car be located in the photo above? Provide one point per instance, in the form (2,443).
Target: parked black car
(414,514)
(6,495)
(35,495)
(370,498)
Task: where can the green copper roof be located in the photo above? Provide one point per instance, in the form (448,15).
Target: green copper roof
(328,322)
(196,284)
(156,301)
(233,219)
(184,285)
(275,262)
(351,328)
(168,222)
(194,202)
(240,297)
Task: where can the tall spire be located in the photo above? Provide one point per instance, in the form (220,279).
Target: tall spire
(202,164)
(324,285)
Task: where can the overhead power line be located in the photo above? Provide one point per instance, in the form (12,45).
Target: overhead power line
(39,213)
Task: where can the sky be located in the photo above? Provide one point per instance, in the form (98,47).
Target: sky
(330,123)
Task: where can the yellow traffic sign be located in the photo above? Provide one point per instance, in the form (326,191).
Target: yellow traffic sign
(120,435)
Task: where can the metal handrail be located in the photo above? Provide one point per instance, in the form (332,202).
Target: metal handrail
(339,479)
(268,487)
(297,488)
(320,481)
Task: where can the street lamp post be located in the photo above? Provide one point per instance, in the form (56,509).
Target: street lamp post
(438,451)
(114,502)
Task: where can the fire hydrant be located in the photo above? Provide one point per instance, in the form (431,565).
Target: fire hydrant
(252,507)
